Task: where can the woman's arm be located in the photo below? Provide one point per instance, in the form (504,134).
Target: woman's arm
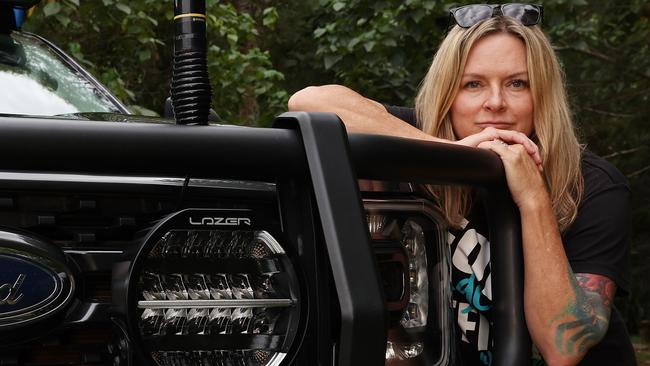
(364,115)
(358,113)
(566,313)
(588,323)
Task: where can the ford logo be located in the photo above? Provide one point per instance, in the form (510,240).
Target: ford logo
(35,283)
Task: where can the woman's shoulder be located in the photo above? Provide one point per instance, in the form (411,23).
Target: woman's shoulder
(600,175)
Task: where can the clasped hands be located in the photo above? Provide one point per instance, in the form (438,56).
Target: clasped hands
(521,159)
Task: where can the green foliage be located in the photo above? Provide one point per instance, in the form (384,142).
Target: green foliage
(241,73)
(127,44)
(380,47)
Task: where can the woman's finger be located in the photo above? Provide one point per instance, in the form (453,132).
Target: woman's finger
(510,137)
(514,137)
(485,145)
(487,134)
(496,145)
(499,146)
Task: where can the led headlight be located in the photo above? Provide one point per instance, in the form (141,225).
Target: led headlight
(213,287)
(413,260)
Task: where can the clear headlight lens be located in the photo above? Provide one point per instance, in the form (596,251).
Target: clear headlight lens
(398,351)
(216,297)
(414,243)
(408,240)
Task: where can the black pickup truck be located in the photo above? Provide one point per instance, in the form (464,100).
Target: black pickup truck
(127,240)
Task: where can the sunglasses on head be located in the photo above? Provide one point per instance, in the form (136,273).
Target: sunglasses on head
(469,15)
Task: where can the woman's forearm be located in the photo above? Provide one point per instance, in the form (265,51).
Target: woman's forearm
(564,320)
(358,113)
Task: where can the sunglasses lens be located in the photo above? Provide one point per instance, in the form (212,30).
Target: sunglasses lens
(526,14)
(467,16)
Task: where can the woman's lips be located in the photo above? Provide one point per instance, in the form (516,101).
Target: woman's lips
(496,124)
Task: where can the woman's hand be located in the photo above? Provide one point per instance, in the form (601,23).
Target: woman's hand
(510,137)
(522,173)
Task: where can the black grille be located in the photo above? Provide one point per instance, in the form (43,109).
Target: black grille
(98,221)
(95,220)
(79,345)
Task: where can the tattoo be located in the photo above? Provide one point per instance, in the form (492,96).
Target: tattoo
(600,285)
(588,315)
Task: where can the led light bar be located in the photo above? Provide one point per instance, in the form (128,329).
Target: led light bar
(214,287)
(222,357)
(207,304)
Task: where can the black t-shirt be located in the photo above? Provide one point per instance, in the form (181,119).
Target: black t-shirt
(597,242)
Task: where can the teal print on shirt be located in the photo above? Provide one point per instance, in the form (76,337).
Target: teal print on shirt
(486,358)
(472,293)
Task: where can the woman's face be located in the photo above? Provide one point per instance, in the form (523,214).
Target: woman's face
(494,90)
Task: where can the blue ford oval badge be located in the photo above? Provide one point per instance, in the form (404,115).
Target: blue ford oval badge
(35,284)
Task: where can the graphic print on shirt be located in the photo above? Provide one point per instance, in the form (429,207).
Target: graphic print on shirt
(472,288)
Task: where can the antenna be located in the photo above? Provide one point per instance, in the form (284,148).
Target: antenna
(190,90)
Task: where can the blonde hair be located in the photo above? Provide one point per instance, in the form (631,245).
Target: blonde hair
(554,132)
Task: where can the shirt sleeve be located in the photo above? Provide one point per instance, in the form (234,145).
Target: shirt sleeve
(598,240)
(404,113)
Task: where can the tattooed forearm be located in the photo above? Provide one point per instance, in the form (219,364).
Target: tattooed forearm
(584,322)
(597,284)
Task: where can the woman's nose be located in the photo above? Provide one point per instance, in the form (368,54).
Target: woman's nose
(494,100)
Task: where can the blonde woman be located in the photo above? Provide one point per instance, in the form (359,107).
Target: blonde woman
(495,83)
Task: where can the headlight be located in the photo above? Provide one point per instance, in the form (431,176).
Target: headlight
(212,287)
(408,237)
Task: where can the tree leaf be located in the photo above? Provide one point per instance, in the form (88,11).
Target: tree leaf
(353,42)
(144,55)
(331,60)
(390,42)
(319,32)
(51,9)
(123,8)
(64,20)
(270,17)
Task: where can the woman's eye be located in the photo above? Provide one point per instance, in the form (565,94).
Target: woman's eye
(472,84)
(519,83)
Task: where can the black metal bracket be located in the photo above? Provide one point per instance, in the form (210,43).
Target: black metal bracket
(363,314)
(39,144)
(398,159)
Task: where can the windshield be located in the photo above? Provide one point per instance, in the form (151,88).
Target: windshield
(36,81)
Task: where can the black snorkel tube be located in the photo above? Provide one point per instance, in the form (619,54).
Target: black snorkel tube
(7,18)
(12,13)
(190,90)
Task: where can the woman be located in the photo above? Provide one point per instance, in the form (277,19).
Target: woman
(495,83)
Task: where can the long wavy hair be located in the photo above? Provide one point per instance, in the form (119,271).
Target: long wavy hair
(553,128)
